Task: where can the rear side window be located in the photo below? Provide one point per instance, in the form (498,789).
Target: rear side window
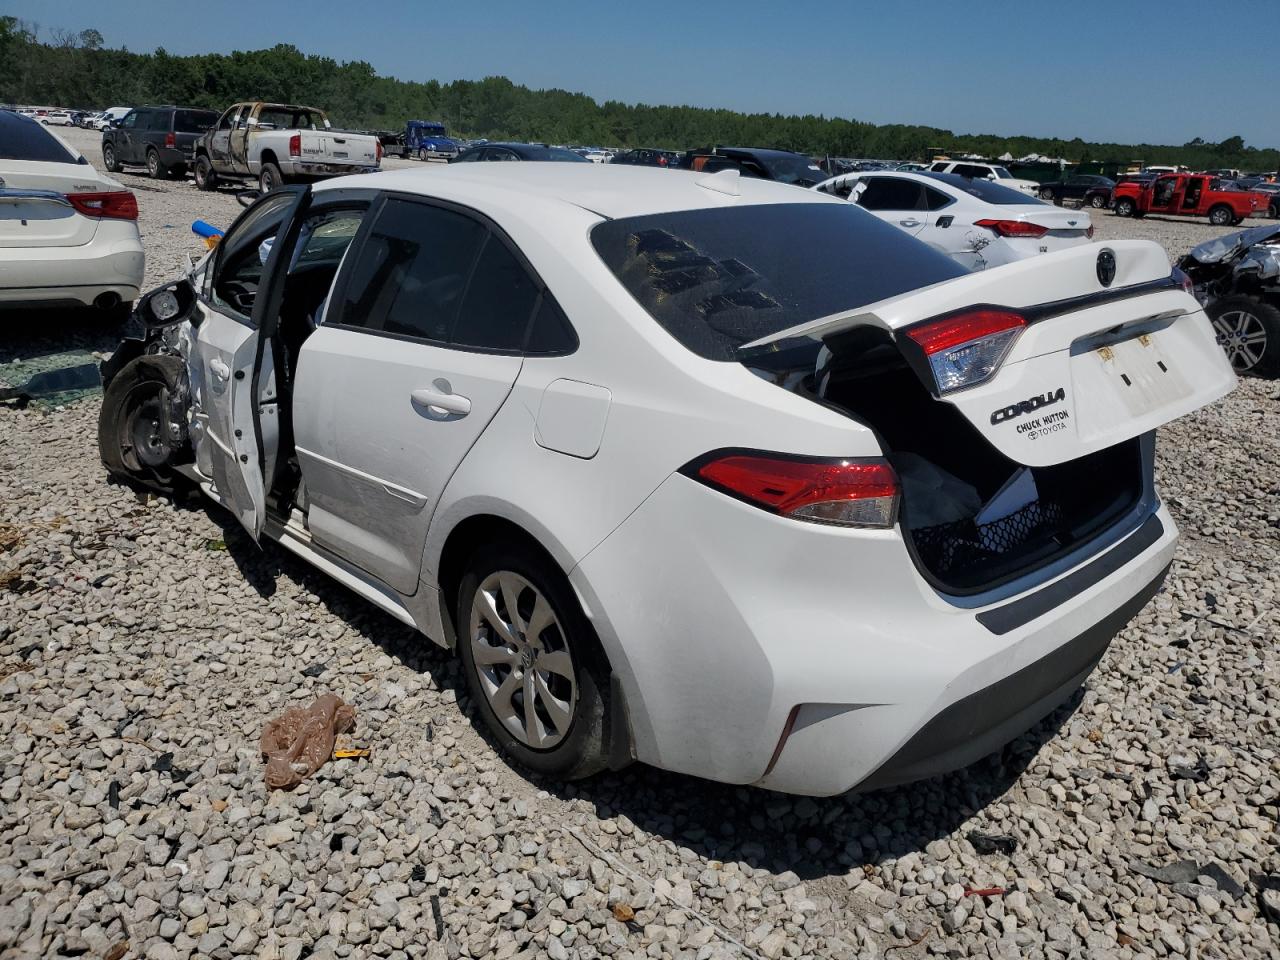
(935,199)
(24,139)
(499,300)
(193,121)
(412,271)
(551,333)
(157,120)
(969,170)
(891,193)
(719,278)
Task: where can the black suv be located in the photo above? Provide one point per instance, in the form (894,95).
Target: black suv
(162,139)
(781,165)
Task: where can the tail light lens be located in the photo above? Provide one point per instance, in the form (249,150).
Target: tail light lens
(849,492)
(170,140)
(967,348)
(377,144)
(1181,278)
(295,145)
(1089,232)
(1013,228)
(116,205)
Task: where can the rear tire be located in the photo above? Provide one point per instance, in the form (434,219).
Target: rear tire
(569,701)
(155,169)
(109,160)
(1046,194)
(206,177)
(270,178)
(130,423)
(1221,215)
(1097,201)
(1248,330)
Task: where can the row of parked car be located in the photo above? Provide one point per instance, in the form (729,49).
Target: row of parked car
(977,214)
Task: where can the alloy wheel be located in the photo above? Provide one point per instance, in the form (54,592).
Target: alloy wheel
(153,165)
(1243,337)
(522,660)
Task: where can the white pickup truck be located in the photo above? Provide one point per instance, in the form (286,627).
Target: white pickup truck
(275,143)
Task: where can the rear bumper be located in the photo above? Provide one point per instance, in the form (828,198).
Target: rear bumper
(759,650)
(302,168)
(986,719)
(113,262)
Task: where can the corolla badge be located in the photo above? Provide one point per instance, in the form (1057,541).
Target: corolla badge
(1106,267)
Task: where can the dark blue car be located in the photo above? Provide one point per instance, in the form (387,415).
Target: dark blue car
(427,140)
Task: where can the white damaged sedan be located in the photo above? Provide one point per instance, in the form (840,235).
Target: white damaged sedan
(699,470)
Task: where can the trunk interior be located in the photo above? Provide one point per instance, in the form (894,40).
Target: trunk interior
(972,517)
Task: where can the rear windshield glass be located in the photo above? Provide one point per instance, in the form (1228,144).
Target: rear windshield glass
(720,278)
(24,139)
(984,189)
(193,121)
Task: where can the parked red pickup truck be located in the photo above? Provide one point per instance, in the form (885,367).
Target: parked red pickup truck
(1188,195)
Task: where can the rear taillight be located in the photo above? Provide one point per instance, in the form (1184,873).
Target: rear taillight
(295,145)
(170,140)
(966,348)
(1181,278)
(1013,228)
(377,144)
(116,205)
(848,492)
(1089,231)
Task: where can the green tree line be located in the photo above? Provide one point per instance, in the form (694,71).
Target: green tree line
(76,70)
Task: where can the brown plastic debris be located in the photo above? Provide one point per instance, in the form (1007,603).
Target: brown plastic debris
(298,742)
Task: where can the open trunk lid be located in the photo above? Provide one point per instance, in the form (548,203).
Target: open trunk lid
(1096,364)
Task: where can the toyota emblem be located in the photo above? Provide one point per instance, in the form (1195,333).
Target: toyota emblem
(1106,267)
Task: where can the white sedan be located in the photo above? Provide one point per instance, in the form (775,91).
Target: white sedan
(977,223)
(688,468)
(68,235)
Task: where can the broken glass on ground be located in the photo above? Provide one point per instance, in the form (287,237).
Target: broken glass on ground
(52,379)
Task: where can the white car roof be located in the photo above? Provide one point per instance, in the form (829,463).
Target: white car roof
(606,190)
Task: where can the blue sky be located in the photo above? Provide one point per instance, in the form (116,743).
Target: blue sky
(1111,71)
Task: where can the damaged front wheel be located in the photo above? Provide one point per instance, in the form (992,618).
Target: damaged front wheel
(139,439)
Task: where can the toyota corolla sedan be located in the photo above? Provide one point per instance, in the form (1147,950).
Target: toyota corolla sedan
(68,235)
(694,469)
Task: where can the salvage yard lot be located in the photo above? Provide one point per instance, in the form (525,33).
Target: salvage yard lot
(143,644)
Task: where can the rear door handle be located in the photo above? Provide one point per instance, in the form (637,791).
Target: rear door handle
(909,223)
(448,402)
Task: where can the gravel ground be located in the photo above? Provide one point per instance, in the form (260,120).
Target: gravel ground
(144,643)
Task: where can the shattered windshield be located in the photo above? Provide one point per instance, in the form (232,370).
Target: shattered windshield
(1220,248)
